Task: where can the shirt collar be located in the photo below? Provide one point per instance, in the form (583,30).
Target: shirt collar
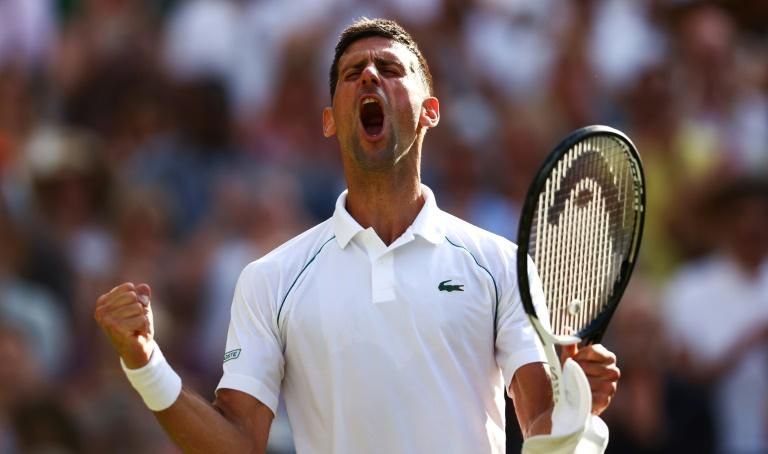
(426,225)
(344,225)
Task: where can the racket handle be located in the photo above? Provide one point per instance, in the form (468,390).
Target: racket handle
(595,337)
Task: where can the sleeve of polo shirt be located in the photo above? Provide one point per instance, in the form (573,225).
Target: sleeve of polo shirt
(516,341)
(253,362)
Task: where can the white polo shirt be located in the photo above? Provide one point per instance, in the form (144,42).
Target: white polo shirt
(406,348)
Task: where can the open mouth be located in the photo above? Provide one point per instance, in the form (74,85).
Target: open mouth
(372,117)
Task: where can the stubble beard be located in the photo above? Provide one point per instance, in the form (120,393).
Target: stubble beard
(380,160)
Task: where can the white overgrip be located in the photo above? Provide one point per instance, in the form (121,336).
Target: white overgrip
(574,428)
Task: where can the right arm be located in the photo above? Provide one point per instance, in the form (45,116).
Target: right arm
(236,422)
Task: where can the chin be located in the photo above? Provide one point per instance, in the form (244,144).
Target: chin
(376,160)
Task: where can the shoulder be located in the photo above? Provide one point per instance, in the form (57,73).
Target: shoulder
(291,256)
(461,233)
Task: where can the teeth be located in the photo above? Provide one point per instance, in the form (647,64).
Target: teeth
(368,100)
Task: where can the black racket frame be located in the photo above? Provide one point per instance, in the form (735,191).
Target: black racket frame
(594,331)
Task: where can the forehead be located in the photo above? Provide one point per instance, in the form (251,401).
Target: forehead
(376,46)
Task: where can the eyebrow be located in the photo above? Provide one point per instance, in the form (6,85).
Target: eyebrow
(379,60)
(384,61)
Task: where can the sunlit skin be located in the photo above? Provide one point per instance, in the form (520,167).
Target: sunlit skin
(382,172)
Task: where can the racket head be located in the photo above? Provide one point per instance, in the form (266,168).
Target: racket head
(581,225)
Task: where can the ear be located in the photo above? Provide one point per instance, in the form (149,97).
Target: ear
(430,112)
(329,125)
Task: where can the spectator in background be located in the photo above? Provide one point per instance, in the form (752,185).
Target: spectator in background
(653,413)
(638,418)
(43,424)
(652,110)
(723,103)
(17,382)
(71,185)
(16,120)
(33,352)
(184,163)
(717,315)
(36,314)
(26,32)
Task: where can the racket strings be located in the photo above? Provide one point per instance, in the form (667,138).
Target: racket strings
(583,225)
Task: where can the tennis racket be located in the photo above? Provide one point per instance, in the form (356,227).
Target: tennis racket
(580,227)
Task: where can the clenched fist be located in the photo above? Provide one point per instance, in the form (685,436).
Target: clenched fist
(125,316)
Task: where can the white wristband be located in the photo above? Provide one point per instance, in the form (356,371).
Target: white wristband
(156,382)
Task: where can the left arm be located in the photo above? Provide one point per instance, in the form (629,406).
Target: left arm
(531,389)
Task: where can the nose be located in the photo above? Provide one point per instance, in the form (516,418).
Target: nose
(370,76)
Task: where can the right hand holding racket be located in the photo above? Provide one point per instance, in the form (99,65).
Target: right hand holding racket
(599,366)
(125,315)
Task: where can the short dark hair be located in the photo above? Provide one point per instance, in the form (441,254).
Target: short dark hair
(364,28)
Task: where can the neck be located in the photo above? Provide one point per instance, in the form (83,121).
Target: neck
(386,201)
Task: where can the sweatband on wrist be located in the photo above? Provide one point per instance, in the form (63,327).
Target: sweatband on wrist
(156,382)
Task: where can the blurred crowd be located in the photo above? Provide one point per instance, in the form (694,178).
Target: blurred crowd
(172,142)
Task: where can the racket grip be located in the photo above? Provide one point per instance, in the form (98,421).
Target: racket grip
(595,337)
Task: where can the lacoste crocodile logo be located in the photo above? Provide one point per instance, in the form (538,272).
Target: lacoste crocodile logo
(445,287)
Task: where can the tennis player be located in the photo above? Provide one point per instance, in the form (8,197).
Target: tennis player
(391,327)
